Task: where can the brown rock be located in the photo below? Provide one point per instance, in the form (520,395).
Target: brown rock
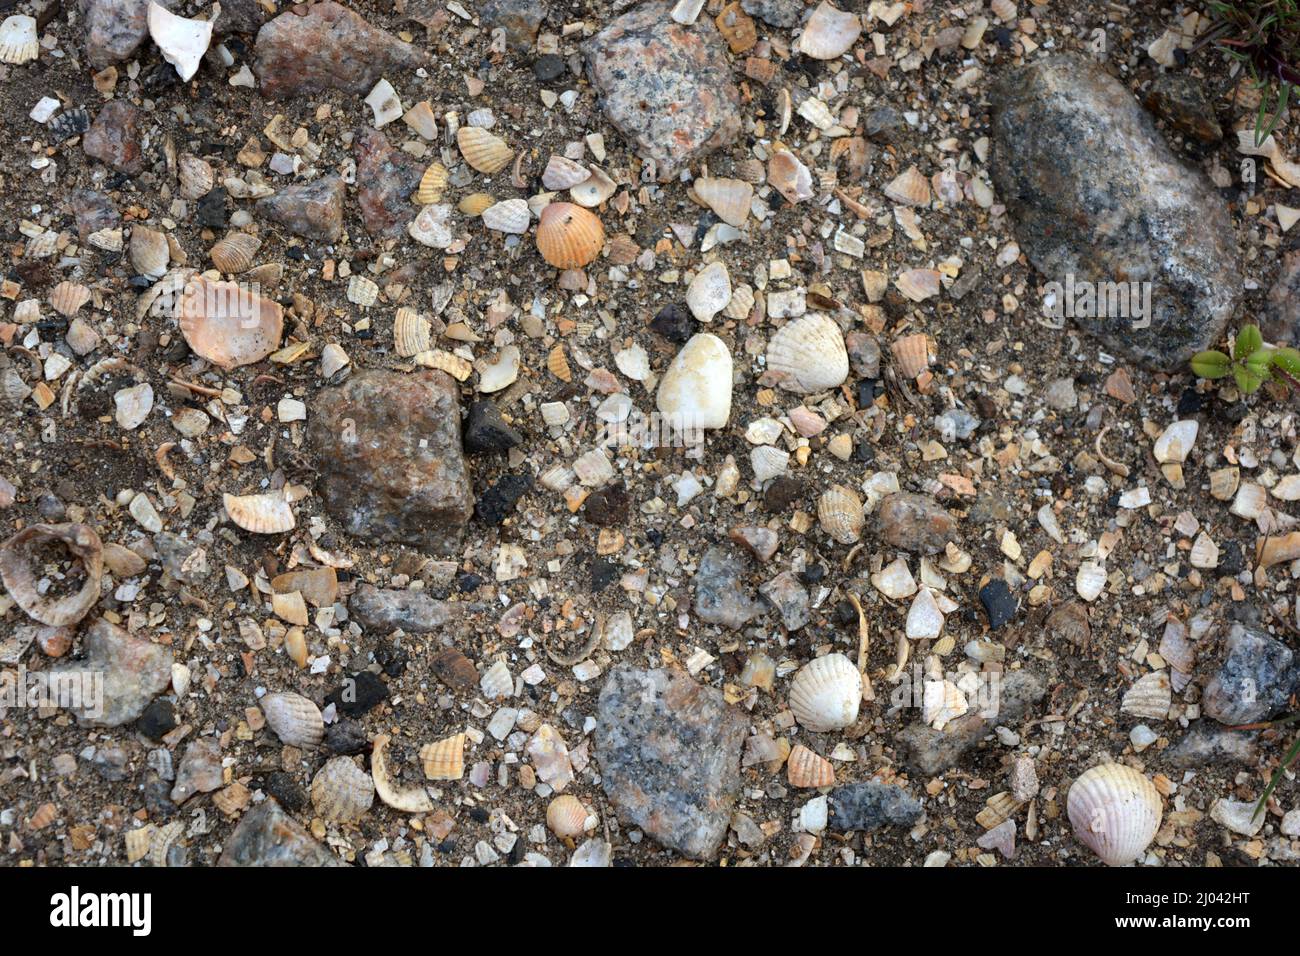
(385,180)
(200,770)
(915,523)
(312,210)
(114,137)
(520,19)
(455,669)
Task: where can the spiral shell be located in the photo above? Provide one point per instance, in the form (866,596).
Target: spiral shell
(568,236)
(566,816)
(839,510)
(225,323)
(67,298)
(234,254)
(1115,812)
(804,768)
(728,198)
(485,152)
(910,188)
(911,354)
(810,354)
(509,216)
(341,791)
(261,514)
(563,173)
(362,291)
(412,333)
(445,759)
(150,252)
(18,42)
(294,718)
(405,799)
(18,571)
(825,693)
(432,184)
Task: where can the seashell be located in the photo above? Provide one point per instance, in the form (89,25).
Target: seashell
(557,363)
(195,176)
(633,362)
(909,188)
(1176,441)
(485,152)
(362,291)
(444,760)
(918,284)
(476,203)
(495,376)
(261,514)
(709,292)
(294,719)
(341,791)
(234,254)
(445,361)
(566,816)
(67,298)
(21,573)
(695,391)
(496,681)
(1149,698)
(18,41)
(408,799)
(804,768)
(150,253)
(810,355)
(941,701)
(1275,549)
(839,510)
(829,32)
(68,124)
(563,173)
(1090,581)
(1223,482)
(225,323)
(1204,553)
(432,227)
(825,694)
(728,198)
(385,105)
(133,405)
(911,354)
(1250,502)
(594,190)
(510,216)
(741,304)
(432,184)
(924,617)
(1070,621)
(790,177)
(181,41)
(412,333)
(568,236)
(1115,811)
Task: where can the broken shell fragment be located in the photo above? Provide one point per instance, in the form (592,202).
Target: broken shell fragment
(805,768)
(485,152)
(494,376)
(432,226)
(826,693)
(829,32)
(790,177)
(294,719)
(405,799)
(342,792)
(909,188)
(150,253)
(1176,441)
(68,298)
(918,284)
(509,216)
(18,41)
(809,354)
(432,184)
(444,760)
(695,391)
(911,354)
(362,291)
(709,292)
(261,514)
(227,324)
(941,702)
(21,574)
(568,236)
(594,190)
(181,41)
(839,510)
(728,198)
(562,173)
(1115,811)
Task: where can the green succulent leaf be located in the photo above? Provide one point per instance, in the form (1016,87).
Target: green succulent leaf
(1288,360)
(1249,379)
(1211,364)
(1249,341)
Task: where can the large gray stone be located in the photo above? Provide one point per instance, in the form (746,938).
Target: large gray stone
(414,612)
(133,671)
(267,836)
(1255,680)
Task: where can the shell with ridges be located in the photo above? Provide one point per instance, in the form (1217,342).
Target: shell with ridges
(839,510)
(445,759)
(485,152)
(509,216)
(432,184)
(563,173)
(826,693)
(412,333)
(261,514)
(18,571)
(362,291)
(909,188)
(234,254)
(150,253)
(18,41)
(1115,811)
(566,816)
(568,236)
(810,354)
(195,176)
(341,791)
(67,298)
(475,204)
(911,354)
(557,363)
(805,768)
(728,198)
(295,719)
(405,799)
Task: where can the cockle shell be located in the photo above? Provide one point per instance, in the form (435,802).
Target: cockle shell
(909,188)
(509,216)
(1150,697)
(432,226)
(805,768)
(839,510)
(432,184)
(566,816)
(234,254)
(568,236)
(563,173)
(810,355)
(695,391)
(1115,811)
(825,693)
(790,177)
(261,514)
(829,32)
(18,41)
(594,190)
(21,575)
(1070,621)
(445,759)
(709,292)
(496,681)
(412,333)
(362,291)
(485,152)
(911,354)
(728,198)
(195,176)
(150,253)
(557,363)
(405,799)
(67,298)
(181,41)
(342,792)
(227,324)
(294,719)
(475,204)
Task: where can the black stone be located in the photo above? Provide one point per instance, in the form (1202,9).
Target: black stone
(999,603)
(781,492)
(346,738)
(392,659)
(158,719)
(359,693)
(604,572)
(675,323)
(607,506)
(1189,403)
(468,582)
(497,504)
(1231,560)
(211,211)
(487,431)
(548,67)
(286,790)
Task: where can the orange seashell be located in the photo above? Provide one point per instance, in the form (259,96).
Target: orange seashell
(912,354)
(910,188)
(234,254)
(566,816)
(475,203)
(67,298)
(444,760)
(558,364)
(807,769)
(485,152)
(227,324)
(568,236)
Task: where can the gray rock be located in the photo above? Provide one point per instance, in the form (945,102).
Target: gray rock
(414,612)
(669,755)
(200,770)
(1095,192)
(386,177)
(777,13)
(666,87)
(115,29)
(915,523)
(720,597)
(313,210)
(871,805)
(267,836)
(132,672)
(1279,319)
(520,19)
(1206,743)
(1257,677)
(931,751)
(115,137)
(789,597)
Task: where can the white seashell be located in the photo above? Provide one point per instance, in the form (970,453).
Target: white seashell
(412,333)
(18,40)
(497,681)
(562,173)
(500,374)
(826,693)
(729,198)
(810,353)
(695,391)
(790,177)
(133,405)
(909,188)
(709,292)
(181,41)
(333,359)
(294,719)
(924,618)
(1204,553)
(384,103)
(941,702)
(1150,697)
(432,227)
(1287,488)
(511,216)
(407,799)
(362,291)
(1250,502)
(594,190)
(839,510)
(633,362)
(261,514)
(195,176)
(150,253)
(1176,441)
(768,462)
(918,284)
(894,580)
(1115,811)
(829,32)
(1090,580)
(23,558)
(342,792)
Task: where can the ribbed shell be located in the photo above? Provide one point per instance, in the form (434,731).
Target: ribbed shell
(18,41)
(509,216)
(811,353)
(445,759)
(261,514)
(729,198)
(226,324)
(20,573)
(909,188)
(557,363)
(568,236)
(826,693)
(562,173)
(412,333)
(150,253)
(67,298)
(475,204)
(496,681)
(295,719)
(405,799)
(911,354)
(342,792)
(1115,811)
(432,184)
(566,816)
(195,176)
(839,510)
(362,291)
(804,768)
(485,152)
(234,254)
